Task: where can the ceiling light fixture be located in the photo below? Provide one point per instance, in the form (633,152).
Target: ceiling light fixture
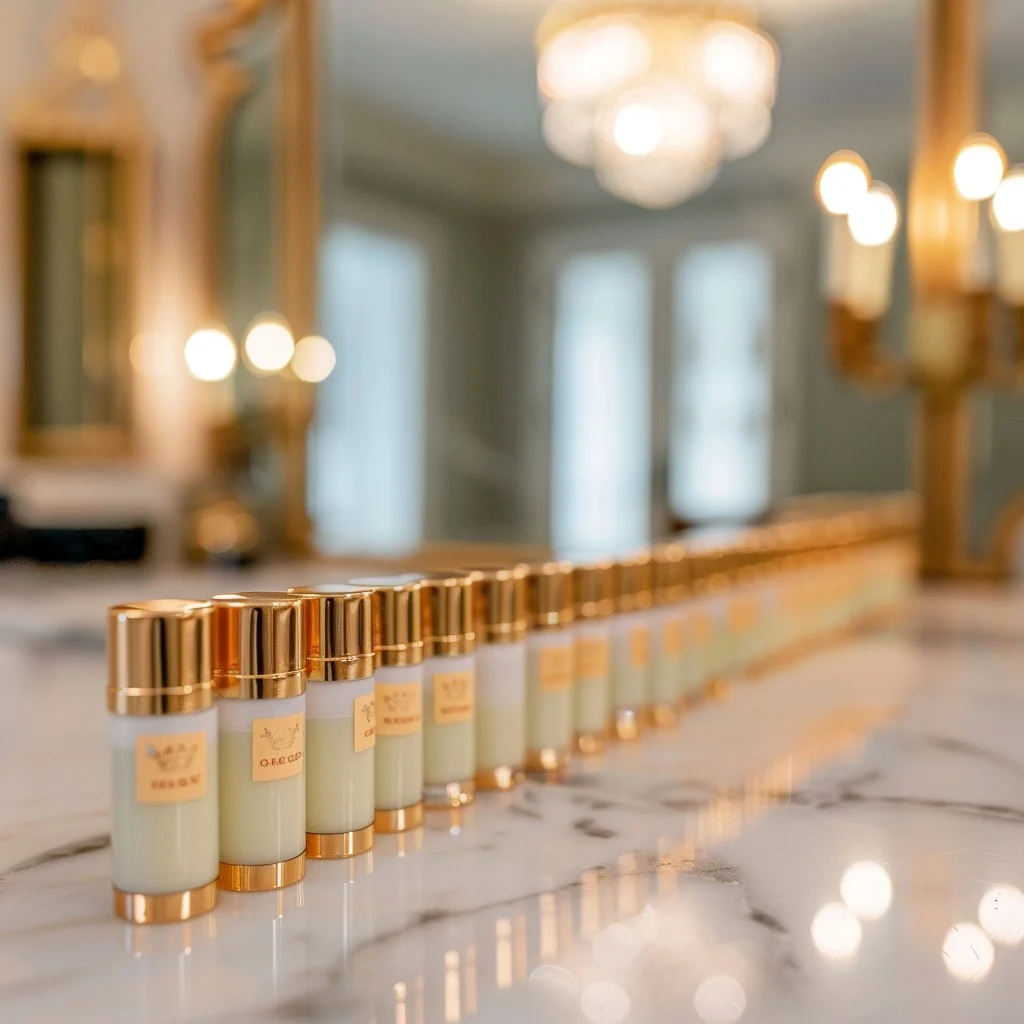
(654,94)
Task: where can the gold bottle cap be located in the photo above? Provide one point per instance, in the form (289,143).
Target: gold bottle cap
(448,613)
(158,657)
(257,646)
(670,572)
(549,603)
(499,603)
(399,610)
(593,586)
(340,631)
(634,583)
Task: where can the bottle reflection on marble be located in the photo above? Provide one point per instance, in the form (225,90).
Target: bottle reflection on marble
(167,970)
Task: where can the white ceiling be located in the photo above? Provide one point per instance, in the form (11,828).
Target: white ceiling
(463,70)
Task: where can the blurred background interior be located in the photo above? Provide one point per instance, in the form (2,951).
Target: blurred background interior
(315,277)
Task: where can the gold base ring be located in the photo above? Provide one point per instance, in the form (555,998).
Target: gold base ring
(549,762)
(591,742)
(451,794)
(400,820)
(165,908)
(664,716)
(335,845)
(630,723)
(499,778)
(262,877)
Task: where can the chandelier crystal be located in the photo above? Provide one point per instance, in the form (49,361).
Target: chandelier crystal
(654,94)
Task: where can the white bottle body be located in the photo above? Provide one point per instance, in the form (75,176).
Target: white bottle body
(261,822)
(669,646)
(631,677)
(501,705)
(339,778)
(593,677)
(398,759)
(168,846)
(449,731)
(549,699)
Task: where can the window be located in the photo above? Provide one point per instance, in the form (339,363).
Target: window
(721,404)
(366,446)
(601,447)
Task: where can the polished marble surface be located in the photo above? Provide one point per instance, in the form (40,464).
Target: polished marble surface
(841,841)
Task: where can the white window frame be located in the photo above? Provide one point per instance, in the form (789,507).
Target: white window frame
(662,241)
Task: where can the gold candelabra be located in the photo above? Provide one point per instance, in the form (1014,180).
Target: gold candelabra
(952,338)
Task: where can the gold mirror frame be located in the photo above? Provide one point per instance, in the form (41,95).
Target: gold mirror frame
(297,208)
(83,105)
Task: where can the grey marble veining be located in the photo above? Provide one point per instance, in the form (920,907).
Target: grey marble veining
(840,841)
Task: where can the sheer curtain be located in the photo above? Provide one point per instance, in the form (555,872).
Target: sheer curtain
(601,447)
(366,447)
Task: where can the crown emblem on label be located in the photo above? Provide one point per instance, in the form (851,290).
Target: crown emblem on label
(281,737)
(174,757)
(399,703)
(455,689)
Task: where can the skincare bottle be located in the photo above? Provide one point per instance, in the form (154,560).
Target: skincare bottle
(594,604)
(550,668)
(499,621)
(260,678)
(449,690)
(669,640)
(340,637)
(631,630)
(163,736)
(398,755)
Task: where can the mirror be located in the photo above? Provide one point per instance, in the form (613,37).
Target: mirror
(78,163)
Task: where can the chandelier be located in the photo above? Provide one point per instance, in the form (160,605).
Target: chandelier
(654,94)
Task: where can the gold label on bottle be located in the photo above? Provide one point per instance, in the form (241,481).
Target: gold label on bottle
(278,747)
(700,628)
(673,638)
(454,697)
(639,647)
(556,668)
(399,709)
(170,769)
(592,657)
(364,722)
(741,614)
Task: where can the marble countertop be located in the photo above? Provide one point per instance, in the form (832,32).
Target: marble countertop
(840,841)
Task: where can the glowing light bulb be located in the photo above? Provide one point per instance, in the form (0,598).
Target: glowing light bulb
(637,129)
(842,182)
(1001,913)
(269,345)
(1008,202)
(968,952)
(875,217)
(210,354)
(313,359)
(867,890)
(979,168)
(836,932)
